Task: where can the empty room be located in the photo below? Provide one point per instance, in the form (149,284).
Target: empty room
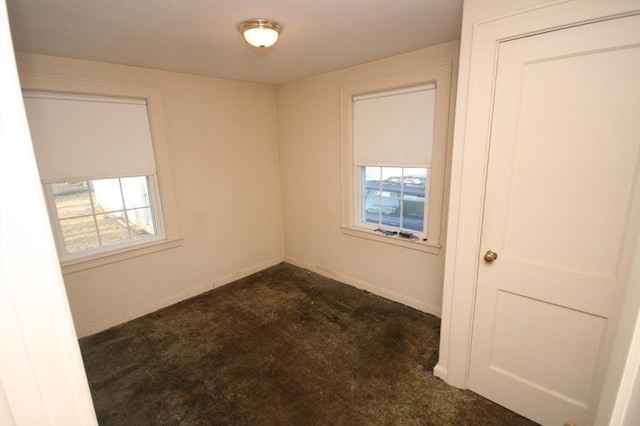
(291,212)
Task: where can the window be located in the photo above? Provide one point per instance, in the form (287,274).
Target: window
(96,162)
(99,213)
(393,139)
(394,133)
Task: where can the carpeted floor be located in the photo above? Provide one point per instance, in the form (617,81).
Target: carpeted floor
(282,347)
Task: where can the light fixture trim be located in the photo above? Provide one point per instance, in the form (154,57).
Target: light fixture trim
(271,28)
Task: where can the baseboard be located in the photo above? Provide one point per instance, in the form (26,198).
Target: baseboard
(413,303)
(218,282)
(440,372)
(84,331)
(88,330)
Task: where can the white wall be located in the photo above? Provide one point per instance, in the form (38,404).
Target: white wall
(310,169)
(223,153)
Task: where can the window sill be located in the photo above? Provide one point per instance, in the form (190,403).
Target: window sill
(90,262)
(423,246)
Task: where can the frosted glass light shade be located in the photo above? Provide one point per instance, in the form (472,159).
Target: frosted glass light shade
(260,32)
(261,37)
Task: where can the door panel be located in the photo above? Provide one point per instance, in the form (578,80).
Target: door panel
(561,210)
(526,325)
(565,133)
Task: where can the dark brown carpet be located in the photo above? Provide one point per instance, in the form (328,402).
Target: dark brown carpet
(282,347)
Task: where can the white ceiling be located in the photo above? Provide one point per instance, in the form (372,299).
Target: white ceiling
(201,36)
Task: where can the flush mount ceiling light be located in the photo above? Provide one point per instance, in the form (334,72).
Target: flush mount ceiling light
(260,32)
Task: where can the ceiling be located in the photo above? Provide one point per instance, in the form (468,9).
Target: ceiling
(201,36)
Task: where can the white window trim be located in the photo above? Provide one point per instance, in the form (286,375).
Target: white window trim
(441,76)
(166,210)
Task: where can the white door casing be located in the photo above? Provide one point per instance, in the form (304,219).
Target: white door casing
(562,210)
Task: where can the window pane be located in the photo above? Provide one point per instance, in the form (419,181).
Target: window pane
(389,211)
(414,184)
(372,202)
(107,195)
(79,234)
(72,198)
(392,174)
(367,212)
(389,206)
(141,223)
(415,176)
(112,228)
(370,190)
(413,215)
(136,192)
(414,192)
(371,173)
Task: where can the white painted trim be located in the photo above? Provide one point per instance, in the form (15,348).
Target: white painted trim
(440,372)
(473,117)
(413,303)
(175,298)
(368,234)
(229,278)
(395,92)
(90,262)
(630,380)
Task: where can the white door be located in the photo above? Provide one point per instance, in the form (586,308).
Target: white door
(562,213)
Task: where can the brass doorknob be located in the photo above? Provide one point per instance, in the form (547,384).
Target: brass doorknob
(490,256)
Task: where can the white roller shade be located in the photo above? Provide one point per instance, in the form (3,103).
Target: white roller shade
(77,137)
(394,127)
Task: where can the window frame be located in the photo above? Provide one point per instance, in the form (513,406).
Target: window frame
(440,75)
(164,202)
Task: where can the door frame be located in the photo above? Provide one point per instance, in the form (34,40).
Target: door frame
(469,168)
